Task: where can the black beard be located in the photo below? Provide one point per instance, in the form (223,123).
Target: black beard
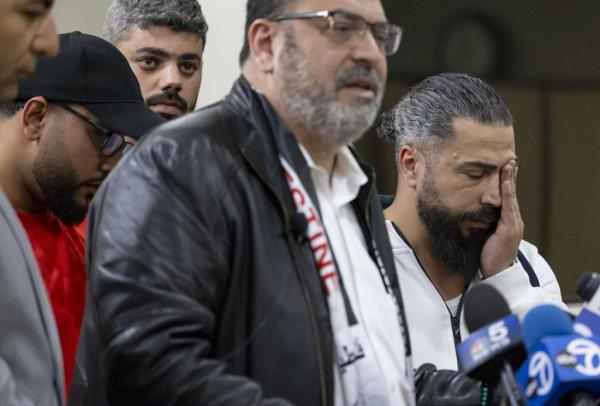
(58,185)
(460,253)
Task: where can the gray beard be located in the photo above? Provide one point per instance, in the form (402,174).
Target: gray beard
(316,109)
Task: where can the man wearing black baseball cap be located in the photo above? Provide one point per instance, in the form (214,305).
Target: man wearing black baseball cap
(68,128)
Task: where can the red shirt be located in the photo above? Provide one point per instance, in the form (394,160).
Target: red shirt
(60,253)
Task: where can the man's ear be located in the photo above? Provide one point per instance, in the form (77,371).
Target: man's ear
(409,162)
(261,35)
(34,116)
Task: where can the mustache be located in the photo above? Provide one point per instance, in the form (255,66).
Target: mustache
(168,96)
(358,72)
(486,214)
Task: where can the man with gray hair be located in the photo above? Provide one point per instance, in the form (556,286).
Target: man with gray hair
(455,219)
(251,265)
(163,40)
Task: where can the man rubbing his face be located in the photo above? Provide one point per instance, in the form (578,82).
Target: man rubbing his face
(455,220)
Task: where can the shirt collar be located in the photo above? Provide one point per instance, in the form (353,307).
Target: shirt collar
(348,177)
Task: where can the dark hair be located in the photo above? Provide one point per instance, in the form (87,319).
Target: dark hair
(178,15)
(8,110)
(427,112)
(256,9)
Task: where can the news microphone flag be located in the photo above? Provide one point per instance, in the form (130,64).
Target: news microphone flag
(483,345)
(587,322)
(495,344)
(561,365)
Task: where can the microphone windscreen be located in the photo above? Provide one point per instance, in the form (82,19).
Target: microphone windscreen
(298,225)
(484,305)
(587,285)
(543,321)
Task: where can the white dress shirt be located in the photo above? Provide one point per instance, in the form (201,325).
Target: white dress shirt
(386,375)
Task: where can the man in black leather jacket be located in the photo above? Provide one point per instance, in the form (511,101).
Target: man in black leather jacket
(204,285)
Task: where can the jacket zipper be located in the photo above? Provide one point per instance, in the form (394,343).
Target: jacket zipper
(303,282)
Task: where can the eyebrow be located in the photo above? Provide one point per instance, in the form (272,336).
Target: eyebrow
(46,3)
(190,57)
(154,51)
(485,166)
(161,53)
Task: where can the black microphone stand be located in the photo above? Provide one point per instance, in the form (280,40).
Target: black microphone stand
(509,385)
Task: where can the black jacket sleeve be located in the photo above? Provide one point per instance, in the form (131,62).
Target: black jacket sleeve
(159,269)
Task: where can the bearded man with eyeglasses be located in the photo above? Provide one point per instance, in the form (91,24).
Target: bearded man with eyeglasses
(242,257)
(67,129)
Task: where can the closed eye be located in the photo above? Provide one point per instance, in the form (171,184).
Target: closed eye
(474,175)
(476,170)
(33,15)
(343,27)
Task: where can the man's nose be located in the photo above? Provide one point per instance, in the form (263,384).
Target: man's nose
(108,163)
(491,195)
(170,78)
(370,52)
(45,40)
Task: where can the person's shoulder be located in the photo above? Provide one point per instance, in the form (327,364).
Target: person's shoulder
(215,121)
(201,137)
(537,262)
(528,249)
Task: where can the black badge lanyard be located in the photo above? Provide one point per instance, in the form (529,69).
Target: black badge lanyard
(454,319)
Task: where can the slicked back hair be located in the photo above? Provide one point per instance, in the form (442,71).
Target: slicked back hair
(425,115)
(256,9)
(177,15)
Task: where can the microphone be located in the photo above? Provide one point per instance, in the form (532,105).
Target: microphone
(588,285)
(494,346)
(298,226)
(563,368)
(587,322)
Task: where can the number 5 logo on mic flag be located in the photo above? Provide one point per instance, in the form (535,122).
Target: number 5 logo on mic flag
(488,342)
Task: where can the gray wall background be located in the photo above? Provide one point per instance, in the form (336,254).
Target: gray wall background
(224,40)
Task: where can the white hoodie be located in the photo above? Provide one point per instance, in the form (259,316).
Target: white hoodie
(429,323)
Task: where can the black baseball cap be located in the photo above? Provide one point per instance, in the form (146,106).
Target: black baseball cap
(92,72)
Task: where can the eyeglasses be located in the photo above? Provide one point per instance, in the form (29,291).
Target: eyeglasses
(112,141)
(348,28)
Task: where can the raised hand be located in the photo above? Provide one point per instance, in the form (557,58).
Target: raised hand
(500,250)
